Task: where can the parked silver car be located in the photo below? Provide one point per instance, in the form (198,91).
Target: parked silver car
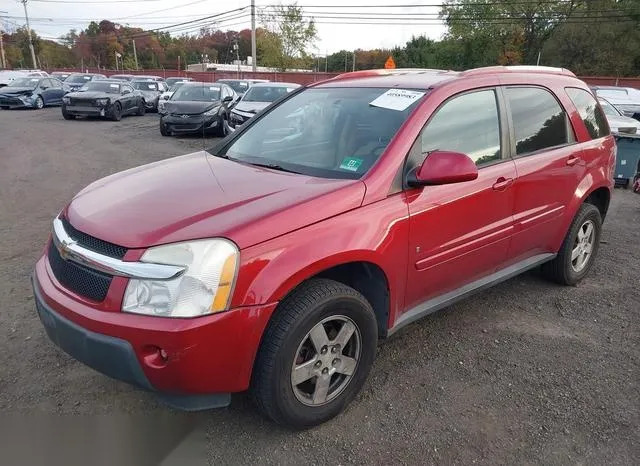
(625,99)
(618,122)
(151,92)
(258,97)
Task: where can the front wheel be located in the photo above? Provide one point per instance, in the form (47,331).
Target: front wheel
(39,103)
(163,130)
(578,249)
(66,115)
(315,355)
(116,112)
(141,108)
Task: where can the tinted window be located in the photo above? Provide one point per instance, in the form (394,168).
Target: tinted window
(591,114)
(201,92)
(55,83)
(468,124)
(538,120)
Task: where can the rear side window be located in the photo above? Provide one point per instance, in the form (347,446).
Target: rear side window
(469,124)
(539,122)
(590,112)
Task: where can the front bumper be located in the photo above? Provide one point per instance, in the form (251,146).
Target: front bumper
(86,110)
(15,102)
(206,357)
(187,124)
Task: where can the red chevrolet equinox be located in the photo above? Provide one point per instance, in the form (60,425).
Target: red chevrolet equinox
(275,261)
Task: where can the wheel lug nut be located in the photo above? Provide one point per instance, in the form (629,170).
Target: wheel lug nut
(334,349)
(318,364)
(325,371)
(324,350)
(336,361)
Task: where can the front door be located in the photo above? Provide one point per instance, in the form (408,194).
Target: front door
(461,232)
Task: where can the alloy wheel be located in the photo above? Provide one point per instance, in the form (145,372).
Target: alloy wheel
(583,246)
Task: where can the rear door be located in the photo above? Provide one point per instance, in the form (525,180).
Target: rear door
(549,167)
(461,232)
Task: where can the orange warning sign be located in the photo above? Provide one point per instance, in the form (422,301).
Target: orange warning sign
(389,64)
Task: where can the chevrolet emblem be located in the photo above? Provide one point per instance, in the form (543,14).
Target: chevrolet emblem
(64,247)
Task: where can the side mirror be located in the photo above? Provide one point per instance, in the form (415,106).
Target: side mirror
(166,97)
(126,91)
(443,167)
(227,99)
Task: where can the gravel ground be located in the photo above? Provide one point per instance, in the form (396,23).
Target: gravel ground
(527,372)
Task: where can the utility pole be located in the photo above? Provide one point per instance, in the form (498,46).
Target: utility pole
(345,61)
(237,49)
(4,60)
(135,54)
(33,53)
(354,61)
(253,36)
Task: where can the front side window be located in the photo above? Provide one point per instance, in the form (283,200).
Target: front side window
(591,114)
(468,124)
(539,122)
(326,132)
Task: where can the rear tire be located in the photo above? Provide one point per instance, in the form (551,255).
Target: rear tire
(330,375)
(578,249)
(116,112)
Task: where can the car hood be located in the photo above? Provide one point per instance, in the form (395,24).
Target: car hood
(187,107)
(15,90)
(91,95)
(251,107)
(202,196)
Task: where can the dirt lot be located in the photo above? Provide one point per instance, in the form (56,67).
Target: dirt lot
(527,372)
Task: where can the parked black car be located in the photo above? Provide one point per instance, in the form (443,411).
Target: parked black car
(33,92)
(122,77)
(198,107)
(76,80)
(107,99)
(150,90)
(61,75)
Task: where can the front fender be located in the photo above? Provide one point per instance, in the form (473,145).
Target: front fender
(377,234)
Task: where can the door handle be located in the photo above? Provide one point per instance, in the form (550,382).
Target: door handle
(571,161)
(502,183)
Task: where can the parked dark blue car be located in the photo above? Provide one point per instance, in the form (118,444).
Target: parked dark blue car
(34,92)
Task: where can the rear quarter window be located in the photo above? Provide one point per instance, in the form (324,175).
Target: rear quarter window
(590,112)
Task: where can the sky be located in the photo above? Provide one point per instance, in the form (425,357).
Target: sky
(341,25)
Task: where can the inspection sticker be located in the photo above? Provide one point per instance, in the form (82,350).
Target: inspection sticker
(396,99)
(351,164)
(115,86)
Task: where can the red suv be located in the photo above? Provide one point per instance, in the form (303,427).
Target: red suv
(349,209)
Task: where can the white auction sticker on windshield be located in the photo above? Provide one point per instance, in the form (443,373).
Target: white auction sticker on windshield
(115,86)
(396,99)
(152,86)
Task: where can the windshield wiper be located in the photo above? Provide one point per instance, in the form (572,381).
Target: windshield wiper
(272,166)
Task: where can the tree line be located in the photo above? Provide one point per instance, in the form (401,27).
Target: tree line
(590,37)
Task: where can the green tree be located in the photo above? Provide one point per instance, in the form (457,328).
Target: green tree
(286,37)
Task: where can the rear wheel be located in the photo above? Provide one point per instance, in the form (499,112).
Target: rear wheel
(578,249)
(315,355)
(116,112)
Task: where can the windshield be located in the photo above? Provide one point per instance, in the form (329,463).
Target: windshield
(200,93)
(78,78)
(176,86)
(239,86)
(326,132)
(102,86)
(614,93)
(265,94)
(608,108)
(31,83)
(173,81)
(145,85)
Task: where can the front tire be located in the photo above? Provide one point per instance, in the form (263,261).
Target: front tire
(578,249)
(116,112)
(315,355)
(141,108)
(163,130)
(39,103)
(66,115)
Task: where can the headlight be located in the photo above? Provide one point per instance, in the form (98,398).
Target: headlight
(204,288)
(102,101)
(212,112)
(26,96)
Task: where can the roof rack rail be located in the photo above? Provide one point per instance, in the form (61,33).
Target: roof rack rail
(385,72)
(518,69)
